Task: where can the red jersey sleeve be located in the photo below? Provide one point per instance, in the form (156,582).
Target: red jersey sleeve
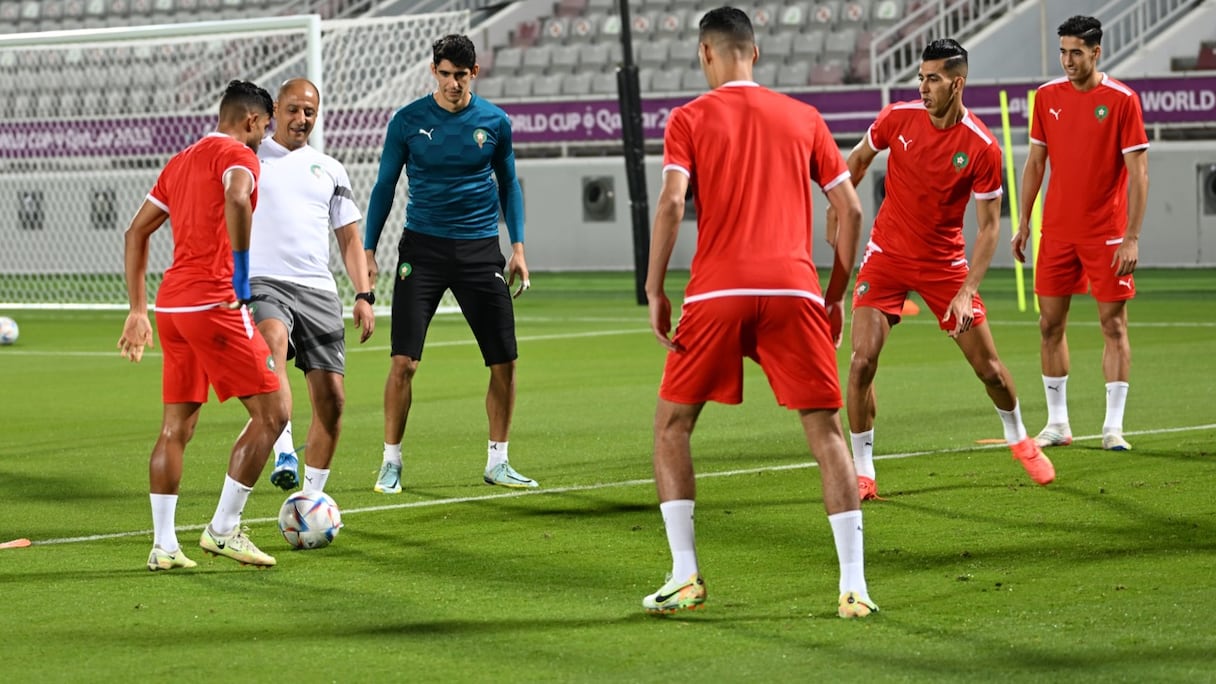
(1132,135)
(828,167)
(677,142)
(986,183)
(237,157)
(159,195)
(879,134)
(1037,133)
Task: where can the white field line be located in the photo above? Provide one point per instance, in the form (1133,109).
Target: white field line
(593,487)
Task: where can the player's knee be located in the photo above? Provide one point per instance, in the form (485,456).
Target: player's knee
(404,368)
(1114,329)
(1051,329)
(862,367)
(991,373)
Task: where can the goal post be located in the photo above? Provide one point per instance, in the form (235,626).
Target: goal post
(88,118)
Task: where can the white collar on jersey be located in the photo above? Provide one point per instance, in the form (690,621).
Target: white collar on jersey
(732,84)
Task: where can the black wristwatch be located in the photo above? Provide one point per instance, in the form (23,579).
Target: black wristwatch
(369,297)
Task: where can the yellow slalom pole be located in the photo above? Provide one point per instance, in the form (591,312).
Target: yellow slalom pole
(1018,276)
(1036,215)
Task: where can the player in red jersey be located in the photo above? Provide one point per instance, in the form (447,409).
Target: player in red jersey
(940,158)
(1092,130)
(209,191)
(750,155)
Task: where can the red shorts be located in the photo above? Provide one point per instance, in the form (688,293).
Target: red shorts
(1064,269)
(218,347)
(788,336)
(884,282)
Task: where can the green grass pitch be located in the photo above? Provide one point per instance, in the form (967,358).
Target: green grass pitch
(1106,575)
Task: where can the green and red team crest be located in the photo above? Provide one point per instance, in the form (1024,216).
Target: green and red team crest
(1101,111)
(316,170)
(960,160)
(404,271)
(862,288)
(480,136)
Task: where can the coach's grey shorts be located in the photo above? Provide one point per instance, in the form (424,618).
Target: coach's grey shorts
(316,336)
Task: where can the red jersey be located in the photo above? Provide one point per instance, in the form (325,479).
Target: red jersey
(1086,135)
(931,175)
(191,189)
(751,155)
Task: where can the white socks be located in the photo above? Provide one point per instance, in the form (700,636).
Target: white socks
(1056,390)
(496,453)
(283,444)
(232,501)
(1015,431)
(677,518)
(164,512)
(1116,401)
(315,478)
(863,453)
(392,453)
(850,551)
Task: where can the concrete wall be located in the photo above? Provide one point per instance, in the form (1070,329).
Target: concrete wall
(1024,43)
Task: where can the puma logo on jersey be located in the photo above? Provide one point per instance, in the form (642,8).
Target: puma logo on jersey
(427,133)
(499,276)
(1055,112)
(905,142)
(1126,283)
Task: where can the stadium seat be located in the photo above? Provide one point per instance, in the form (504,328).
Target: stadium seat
(584,29)
(793,17)
(517,87)
(30,15)
(593,57)
(537,59)
(643,25)
(10,14)
(795,75)
(601,7)
(1206,59)
(507,61)
(565,59)
(766,18)
(603,83)
(526,34)
(667,81)
(854,14)
(693,81)
(645,76)
(859,67)
(671,24)
(766,74)
(490,87)
(555,30)
(840,44)
(886,13)
(775,47)
(683,54)
(577,83)
(827,73)
(547,86)
(653,53)
(610,30)
(808,46)
(824,14)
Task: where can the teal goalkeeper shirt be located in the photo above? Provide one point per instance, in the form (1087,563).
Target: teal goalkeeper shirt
(452,160)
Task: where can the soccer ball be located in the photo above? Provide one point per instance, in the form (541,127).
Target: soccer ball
(8,330)
(309,520)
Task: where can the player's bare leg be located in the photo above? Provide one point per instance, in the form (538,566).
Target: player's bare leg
(677,488)
(286,467)
(871,328)
(1053,320)
(165,464)
(980,350)
(500,407)
(825,438)
(1116,368)
(398,396)
(164,478)
(327,395)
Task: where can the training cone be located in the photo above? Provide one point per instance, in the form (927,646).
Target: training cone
(910,308)
(15,544)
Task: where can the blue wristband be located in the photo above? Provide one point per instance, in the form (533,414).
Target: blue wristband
(240,275)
